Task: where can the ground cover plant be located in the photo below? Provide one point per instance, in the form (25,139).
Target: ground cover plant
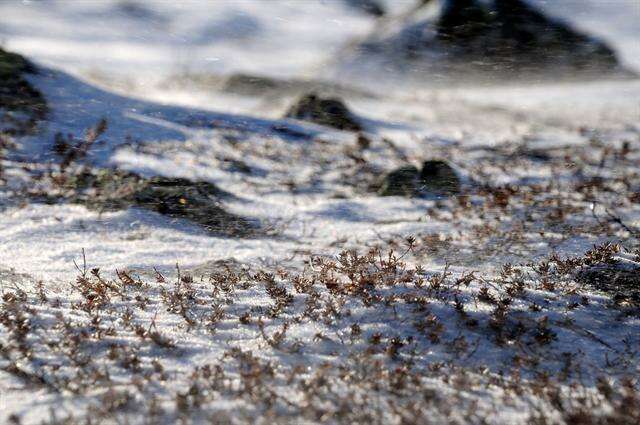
(231,238)
(368,333)
(328,343)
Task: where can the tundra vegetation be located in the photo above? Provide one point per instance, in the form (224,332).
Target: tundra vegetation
(367,334)
(513,296)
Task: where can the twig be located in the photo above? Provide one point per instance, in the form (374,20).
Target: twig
(83,272)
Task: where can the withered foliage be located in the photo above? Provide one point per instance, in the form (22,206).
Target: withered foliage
(391,343)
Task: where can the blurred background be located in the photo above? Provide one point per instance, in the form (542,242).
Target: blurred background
(149,40)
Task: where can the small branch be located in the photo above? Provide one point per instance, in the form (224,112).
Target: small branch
(83,272)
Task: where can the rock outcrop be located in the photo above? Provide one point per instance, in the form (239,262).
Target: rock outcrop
(328,111)
(195,201)
(473,38)
(21,105)
(402,181)
(436,178)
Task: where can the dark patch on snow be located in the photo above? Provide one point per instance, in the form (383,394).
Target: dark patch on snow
(471,38)
(261,85)
(196,201)
(402,181)
(21,105)
(513,34)
(436,178)
(370,7)
(328,111)
(621,281)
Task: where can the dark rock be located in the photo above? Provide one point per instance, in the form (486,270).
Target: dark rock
(254,85)
(402,181)
(331,112)
(437,177)
(198,202)
(194,201)
(18,95)
(480,39)
(462,20)
(512,33)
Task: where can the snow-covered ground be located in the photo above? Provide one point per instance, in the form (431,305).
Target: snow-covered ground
(145,40)
(120,60)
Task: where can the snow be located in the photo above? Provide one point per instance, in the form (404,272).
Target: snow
(173,36)
(105,60)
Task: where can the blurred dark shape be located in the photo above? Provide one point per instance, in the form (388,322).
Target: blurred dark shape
(262,85)
(513,33)
(135,10)
(18,95)
(402,181)
(363,142)
(371,7)
(462,20)
(12,65)
(145,12)
(196,201)
(328,111)
(477,40)
(622,280)
(435,178)
(253,85)
(438,177)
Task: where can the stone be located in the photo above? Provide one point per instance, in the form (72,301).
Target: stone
(462,20)
(402,181)
(438,178)
(483,40)
(196,201)
(327,111)
(17,95)
(514,34)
